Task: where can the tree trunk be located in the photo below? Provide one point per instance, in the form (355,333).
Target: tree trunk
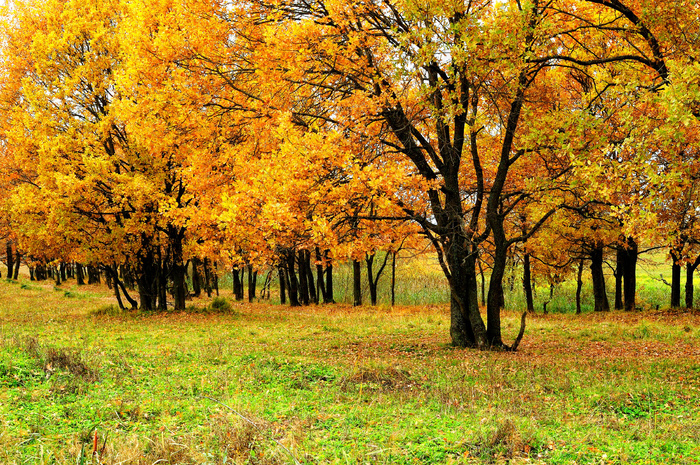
(237,284)
(303,281)
(356,284)
(619,275)
(329,279)
(79,274)
(393,277)
(18,260)
(178,271)
(579,285)
(467,328)
(369,260)
(9,259)
(527,284)
(196,277)
(292,277)
(283,287)
(630,284)
(689,271)
(675,279)
(320,282)
(313,295)
(600,296)
(252,283)
(207,277)
(494,300)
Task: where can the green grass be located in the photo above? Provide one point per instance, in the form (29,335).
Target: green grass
(337,385)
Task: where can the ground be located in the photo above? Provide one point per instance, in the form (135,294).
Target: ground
(81,382)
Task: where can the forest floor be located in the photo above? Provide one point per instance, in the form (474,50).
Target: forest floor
(81,383)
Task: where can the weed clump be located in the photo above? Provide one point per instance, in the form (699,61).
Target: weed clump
(107,310)
(220,305)
(388,379)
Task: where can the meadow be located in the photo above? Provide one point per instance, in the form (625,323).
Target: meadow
(224,383)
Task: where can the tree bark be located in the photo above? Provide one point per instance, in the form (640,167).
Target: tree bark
(303,281)
(329,279)
(630,273)
(79,274)
(252,283)
(619,275)
(9,259)
(283,287)
(527,284)
(18,260)
(675,280)
(292,277)
(356,283)
(196,277)
(237,283)
(393,277)
(689,271)
(579,285)
(600,296)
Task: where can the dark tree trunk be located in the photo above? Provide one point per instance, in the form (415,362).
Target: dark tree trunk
(675,279)
(619,275)
(467,328)
(689,271)
(330,299)
(62,270)
(18,260)
(313,295)
(56,275)
(527,284)
(579,285)
(494,300)
(483,284)
(196,277)
(112,272)
(79,274)
(372,279)
(320,282)
(303,279)
(283,287)
(356,283)
(9,259)
(630,273)
(207,277)
(237,284)
(600,296)
(178,271)
(93,275)
(393,277)
(293,285)
(252,283)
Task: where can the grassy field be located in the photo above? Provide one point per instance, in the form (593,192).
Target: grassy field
(266,384)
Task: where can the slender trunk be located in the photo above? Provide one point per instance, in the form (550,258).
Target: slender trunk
(292,277)
(320,283)
(483,284)
(62,270)
(675,280)
(527,284)
(329,279)
(178,270)
(619,275)
(600,296)
(356,284)
(689,271)
(393,277)
(252,283)
(313,295)
(196,277)
(579,285)
(369,260)
(18,260)
(9,259)
(630,284)
(207,277)
(303,281)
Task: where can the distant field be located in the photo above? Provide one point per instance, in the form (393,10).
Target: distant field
(267,384)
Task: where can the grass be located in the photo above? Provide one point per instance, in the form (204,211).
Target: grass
(83,384)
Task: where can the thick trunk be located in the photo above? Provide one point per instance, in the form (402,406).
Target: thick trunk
(208,281)
(62,270)
(600,296)
(369,260)
(630,273)
(494,301)
(356,283)
(467,328)
(527,284)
